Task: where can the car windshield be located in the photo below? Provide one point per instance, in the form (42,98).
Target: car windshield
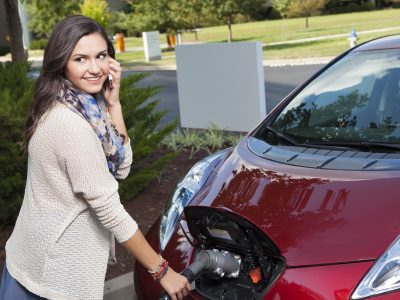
(355,100)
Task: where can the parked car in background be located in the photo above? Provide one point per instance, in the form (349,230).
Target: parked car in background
(307,204)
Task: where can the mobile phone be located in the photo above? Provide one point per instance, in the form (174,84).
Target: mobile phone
(110,80)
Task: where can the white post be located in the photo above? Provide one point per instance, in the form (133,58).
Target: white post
(151,44)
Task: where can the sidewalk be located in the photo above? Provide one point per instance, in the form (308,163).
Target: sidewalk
(121,288)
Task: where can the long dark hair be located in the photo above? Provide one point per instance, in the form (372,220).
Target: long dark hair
(62,42)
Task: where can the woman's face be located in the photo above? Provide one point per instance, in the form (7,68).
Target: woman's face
(88,66)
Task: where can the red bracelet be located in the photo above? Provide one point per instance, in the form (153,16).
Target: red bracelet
(161,270)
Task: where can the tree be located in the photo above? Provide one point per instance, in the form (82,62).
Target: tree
(18,53)
(122,22)
(281,6)
(188,14)
(45,14)
(228,9)
(305,8)
(97,10)
(153,15)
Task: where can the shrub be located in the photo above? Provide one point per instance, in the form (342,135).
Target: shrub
(15,93)
(340,8)
(210,140)
(142,122)
(38,44)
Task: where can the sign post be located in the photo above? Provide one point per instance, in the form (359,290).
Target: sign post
(151,43)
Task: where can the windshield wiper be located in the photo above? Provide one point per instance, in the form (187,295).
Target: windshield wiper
(360,145)
(282,135)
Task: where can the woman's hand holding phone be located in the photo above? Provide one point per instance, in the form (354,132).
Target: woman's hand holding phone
(114,80)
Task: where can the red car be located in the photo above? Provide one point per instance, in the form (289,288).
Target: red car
(306,206)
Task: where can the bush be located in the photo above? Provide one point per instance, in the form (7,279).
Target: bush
(339,8)
(15,94)
(210,140)
(142,123)
(38,44)
(141,120)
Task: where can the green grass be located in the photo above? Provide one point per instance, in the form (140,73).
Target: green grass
(322,48)
(291,29)
(281,30)
(131,42)
(130,56)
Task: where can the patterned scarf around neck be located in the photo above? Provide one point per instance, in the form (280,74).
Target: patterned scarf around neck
(94,111)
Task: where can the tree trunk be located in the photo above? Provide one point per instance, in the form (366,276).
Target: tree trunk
(306,22)
(15,31)
(229,22)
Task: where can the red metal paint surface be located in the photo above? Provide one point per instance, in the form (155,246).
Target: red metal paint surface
(336,282)
(314,216)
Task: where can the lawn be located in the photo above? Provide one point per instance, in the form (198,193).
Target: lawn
(292,29)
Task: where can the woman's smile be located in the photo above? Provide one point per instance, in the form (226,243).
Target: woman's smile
(94,79)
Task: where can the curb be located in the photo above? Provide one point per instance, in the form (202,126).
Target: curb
(298,61)
(121,288)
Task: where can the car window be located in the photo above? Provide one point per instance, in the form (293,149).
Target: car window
(356,99)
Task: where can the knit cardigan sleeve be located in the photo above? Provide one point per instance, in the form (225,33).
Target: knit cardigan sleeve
(124,168)
(86,168)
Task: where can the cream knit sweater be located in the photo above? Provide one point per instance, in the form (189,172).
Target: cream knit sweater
(71,211)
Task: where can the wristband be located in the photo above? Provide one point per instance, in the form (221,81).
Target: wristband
(161,269)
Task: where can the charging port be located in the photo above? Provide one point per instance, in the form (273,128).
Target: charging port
(222,231)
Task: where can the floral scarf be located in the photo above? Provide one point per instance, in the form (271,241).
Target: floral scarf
(94,111)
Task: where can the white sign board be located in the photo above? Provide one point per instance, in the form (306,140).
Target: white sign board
(221,84)
(151,44)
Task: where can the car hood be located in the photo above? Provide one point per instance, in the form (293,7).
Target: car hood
(313,216)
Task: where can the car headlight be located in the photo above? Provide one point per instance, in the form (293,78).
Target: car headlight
(384,276)
(184,193)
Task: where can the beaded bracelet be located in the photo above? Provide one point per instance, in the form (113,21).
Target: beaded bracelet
(161,269)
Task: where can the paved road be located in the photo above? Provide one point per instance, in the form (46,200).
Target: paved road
(279,81)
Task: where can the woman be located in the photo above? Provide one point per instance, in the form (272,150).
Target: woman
(77,147)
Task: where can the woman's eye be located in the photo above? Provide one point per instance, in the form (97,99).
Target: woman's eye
(80,59)
(102,56)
